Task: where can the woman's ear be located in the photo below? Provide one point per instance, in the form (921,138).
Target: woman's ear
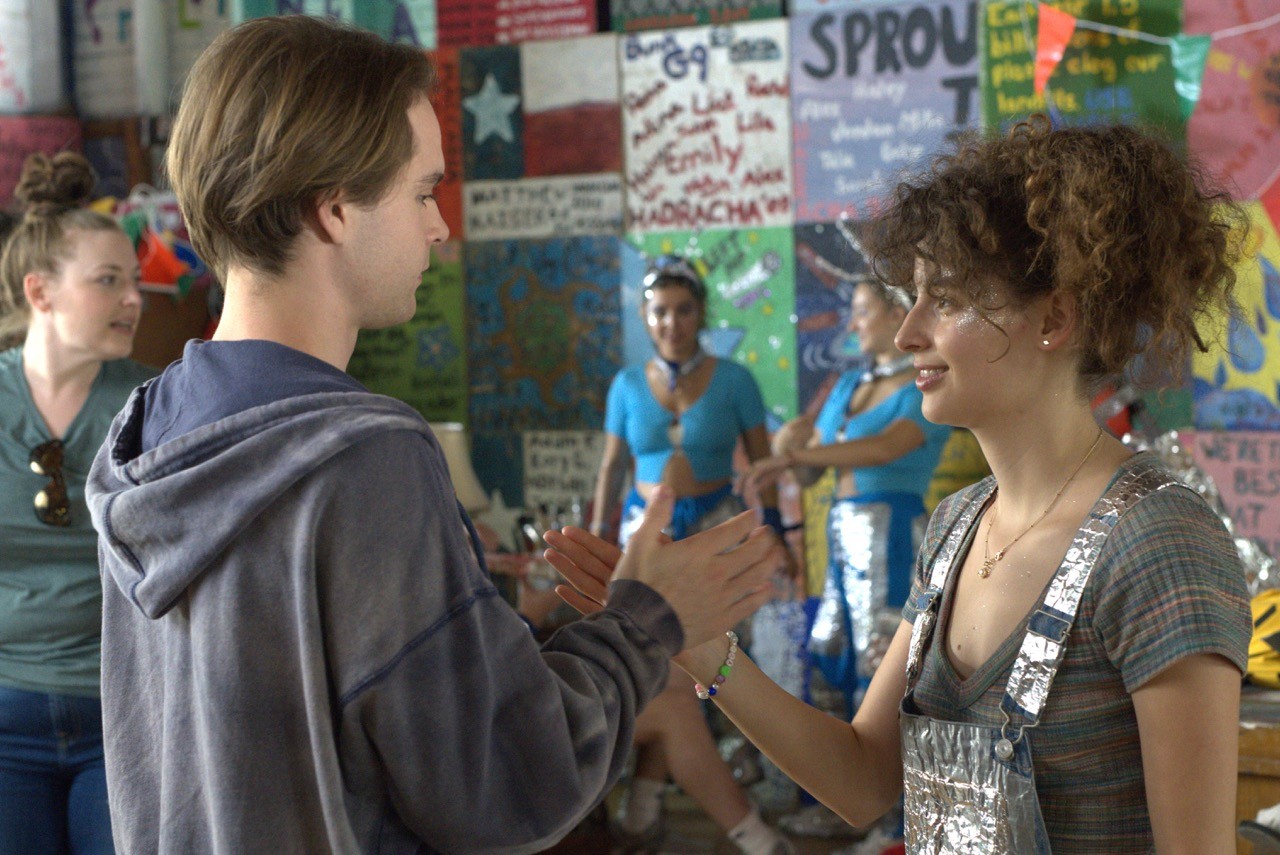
(1058,318)
(35,287)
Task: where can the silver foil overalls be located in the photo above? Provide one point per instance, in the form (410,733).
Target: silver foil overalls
(970,789)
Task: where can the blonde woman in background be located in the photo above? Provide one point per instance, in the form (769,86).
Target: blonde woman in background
(70,289)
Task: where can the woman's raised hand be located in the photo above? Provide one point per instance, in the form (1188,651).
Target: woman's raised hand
(711,580)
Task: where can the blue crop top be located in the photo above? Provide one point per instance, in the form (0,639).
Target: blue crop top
(730,406)
(910,473)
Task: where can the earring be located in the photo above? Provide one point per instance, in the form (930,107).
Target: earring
(1046,342)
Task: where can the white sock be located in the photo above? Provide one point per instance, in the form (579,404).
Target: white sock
(643,805)
(753,837)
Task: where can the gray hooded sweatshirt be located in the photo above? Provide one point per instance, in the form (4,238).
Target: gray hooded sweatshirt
(301,652)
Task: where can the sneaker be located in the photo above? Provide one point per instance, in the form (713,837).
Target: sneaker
(816,820)
(1265,840)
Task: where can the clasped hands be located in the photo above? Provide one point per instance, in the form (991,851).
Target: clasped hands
(792,436)
(712,580)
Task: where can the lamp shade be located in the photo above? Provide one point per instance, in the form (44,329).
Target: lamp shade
(457,453)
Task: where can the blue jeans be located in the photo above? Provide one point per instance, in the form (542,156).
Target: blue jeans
(53,783)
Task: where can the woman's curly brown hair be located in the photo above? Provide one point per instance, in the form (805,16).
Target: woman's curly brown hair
(1107,215)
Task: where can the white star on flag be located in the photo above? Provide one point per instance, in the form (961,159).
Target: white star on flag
(492,110)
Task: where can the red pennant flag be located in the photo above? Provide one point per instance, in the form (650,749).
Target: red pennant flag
(1054,31)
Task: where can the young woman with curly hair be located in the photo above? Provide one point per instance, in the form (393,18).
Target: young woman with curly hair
(1066,676)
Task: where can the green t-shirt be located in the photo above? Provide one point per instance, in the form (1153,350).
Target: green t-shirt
(50,590)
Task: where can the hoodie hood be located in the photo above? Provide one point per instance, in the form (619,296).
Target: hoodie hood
(164,515)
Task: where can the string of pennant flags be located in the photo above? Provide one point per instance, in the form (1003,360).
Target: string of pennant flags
(1188,52)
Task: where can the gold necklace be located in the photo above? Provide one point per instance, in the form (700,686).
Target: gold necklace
(989,561)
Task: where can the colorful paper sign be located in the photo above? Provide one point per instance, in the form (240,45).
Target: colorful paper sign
(447,102)
(572,118)
(1245,467)
(1237,384)
(829,265)
(31,78)
(492,121)
(878,89)
(488,22)
(750,276)
(105,77)
(560,468)
(544,207)
(543,329)
(519,107)
(423,362)
(405,21)
(1235,129)
(628,16)
(193,25)
(707,127)
(1102,77)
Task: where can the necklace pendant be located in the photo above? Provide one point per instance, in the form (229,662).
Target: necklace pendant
(985,570)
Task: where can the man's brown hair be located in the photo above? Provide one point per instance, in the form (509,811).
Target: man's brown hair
(279,112)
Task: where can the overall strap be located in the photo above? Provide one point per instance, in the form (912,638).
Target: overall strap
(1044,645)
(941,563)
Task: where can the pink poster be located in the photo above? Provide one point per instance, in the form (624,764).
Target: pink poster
(1235,129)
(1245,466)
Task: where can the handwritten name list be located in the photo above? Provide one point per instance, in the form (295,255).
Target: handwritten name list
(706,127)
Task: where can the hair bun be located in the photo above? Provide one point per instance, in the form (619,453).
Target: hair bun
(49,186)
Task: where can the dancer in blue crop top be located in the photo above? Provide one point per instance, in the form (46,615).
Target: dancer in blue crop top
(884,451)
(679,417)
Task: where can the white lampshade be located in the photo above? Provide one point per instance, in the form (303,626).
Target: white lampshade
(457,453)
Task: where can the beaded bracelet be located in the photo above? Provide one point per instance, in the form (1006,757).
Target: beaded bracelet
(704,692)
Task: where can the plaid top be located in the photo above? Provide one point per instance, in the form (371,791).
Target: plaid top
(1168,584)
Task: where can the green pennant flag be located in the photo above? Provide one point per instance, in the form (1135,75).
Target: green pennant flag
(1188,54)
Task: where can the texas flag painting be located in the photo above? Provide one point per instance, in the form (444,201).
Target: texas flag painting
(542,139)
